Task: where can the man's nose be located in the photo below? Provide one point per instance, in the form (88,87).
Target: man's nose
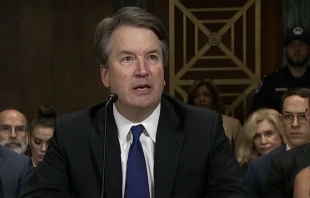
(296,122)
(142,67)
(13,134)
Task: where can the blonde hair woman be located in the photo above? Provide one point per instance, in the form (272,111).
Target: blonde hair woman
(262,133)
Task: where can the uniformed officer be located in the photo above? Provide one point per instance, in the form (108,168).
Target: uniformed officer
(296,74)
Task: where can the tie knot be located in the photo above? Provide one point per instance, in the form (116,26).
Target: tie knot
(137,131)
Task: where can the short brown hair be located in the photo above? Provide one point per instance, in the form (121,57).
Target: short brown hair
(127,16)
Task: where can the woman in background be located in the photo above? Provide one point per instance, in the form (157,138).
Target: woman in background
(204,93)
(262,133)
(42,129)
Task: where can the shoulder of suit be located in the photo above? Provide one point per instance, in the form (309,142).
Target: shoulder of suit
(7,153)
(273,74)
(290,154)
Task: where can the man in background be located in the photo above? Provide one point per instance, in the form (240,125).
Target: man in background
(15,170)
(284,166)
(295,74)
(297,133)
(14,130)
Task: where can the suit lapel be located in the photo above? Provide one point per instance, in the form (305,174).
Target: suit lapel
(1,160)
(168,148)
(113,170)
(302,158)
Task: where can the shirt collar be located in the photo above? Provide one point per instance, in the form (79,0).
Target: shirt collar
(124,125)
(287,147)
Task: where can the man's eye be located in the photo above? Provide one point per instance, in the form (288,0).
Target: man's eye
(127,58)
(153,57)
(291,117)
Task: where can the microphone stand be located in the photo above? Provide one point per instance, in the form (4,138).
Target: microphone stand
(111,99)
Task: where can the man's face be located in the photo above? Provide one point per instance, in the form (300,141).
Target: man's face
(136,70)
(294,120)
(13,131)
(297,52)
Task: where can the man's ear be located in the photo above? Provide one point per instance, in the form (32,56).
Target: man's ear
(280,116)
(104,74)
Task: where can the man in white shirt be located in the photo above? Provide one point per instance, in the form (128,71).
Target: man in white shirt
(156,146)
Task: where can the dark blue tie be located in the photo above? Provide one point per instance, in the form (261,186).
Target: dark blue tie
(136,178)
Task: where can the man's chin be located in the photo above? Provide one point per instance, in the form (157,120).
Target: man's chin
(13,145)
(18,148)
(297,63)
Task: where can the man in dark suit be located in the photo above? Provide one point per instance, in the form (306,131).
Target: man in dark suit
(283,170)
(1,189)
(293,100)
(258,170)
(15,169)
(284,166)
(156,146)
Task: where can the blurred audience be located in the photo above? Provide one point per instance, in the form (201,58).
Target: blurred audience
(258,168)
(14,130)
(204,93)
(262,133)
(42,129)
(15,170)
(296,48)
(285,165)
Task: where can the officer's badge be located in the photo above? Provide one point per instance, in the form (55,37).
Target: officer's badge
(298,30)
(259,86)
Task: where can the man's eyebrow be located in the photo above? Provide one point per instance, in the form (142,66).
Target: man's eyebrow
(287,112)
(125,52)
(153,51)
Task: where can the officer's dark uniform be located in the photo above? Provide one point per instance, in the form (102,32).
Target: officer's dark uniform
(270,91)
(273,87)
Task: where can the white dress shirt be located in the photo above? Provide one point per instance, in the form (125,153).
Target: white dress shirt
(147,139)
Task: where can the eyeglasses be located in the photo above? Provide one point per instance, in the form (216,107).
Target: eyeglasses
(6,129)
(302,118)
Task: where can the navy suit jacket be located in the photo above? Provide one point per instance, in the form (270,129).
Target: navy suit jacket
(283,170)
(15,169)
(193,158)
(1,189)
(258,171)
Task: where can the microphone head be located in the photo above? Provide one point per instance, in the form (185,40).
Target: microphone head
(113,97)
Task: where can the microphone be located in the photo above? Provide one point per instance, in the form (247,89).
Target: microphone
(111,99)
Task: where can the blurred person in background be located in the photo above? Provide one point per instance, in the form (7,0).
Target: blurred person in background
(14,130)
(204,93)
(262,133)
(42,129)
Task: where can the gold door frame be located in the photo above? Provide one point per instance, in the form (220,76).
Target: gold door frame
(253,78)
